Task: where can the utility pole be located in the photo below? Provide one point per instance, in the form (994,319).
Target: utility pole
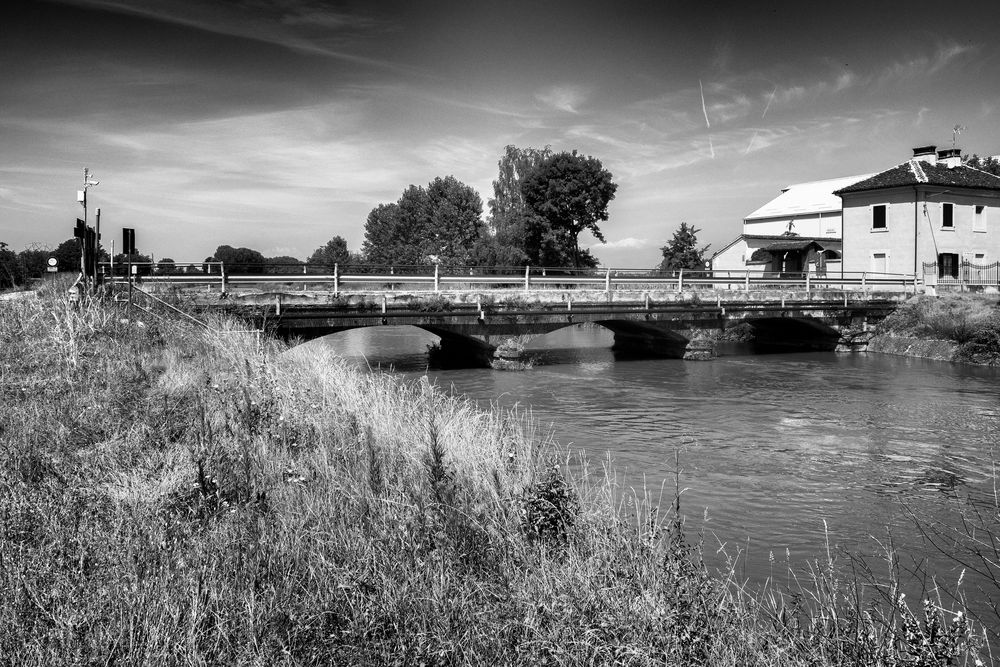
(81,196)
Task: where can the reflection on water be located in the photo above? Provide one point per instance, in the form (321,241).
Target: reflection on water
(775,450)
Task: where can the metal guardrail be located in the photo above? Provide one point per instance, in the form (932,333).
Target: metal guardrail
(437,278)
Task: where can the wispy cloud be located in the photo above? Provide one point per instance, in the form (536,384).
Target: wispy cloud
(300,26)
(564,98)
(925,64)
(629,242)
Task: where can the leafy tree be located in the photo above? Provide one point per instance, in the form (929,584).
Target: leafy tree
(240,260)
(166,265)
(68,254)
(144,263)
(439,224)
(33,261)
(682,251)
(571,193)
(987,164)
(330,255)
(10,269)
(515,164)
(282,265)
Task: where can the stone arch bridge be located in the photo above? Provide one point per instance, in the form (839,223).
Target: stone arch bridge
(678,327)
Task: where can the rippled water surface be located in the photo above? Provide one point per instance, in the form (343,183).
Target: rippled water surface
(770,446)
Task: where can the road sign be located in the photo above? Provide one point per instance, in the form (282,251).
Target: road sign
(53,265)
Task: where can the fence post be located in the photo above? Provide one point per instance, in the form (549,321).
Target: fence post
(864,280)
(336,279)
(747,284)
(607,282)
(222,273)
(437,277)
(807,285)
(527,278)
(680,280)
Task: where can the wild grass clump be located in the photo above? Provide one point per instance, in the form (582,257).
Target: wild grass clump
(956,318)
(175,495)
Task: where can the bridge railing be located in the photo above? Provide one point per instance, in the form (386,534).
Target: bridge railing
(365,278)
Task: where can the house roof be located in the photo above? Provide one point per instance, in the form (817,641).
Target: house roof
(806,198)
(916,172)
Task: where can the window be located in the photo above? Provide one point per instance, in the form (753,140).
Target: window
(948,216)
(880,262)
(948,265)
(878,216)
(979,219)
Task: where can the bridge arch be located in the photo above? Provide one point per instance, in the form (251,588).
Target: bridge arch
(792,334)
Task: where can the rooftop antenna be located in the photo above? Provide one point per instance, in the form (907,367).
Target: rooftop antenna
(955,131)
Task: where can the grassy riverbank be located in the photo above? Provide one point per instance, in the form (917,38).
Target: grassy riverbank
(971,322)
(171,495)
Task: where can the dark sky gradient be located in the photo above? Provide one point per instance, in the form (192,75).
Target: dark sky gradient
(277,124)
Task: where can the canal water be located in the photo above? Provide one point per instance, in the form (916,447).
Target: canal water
(780,455)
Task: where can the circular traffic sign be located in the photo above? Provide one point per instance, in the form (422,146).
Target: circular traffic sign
(53,261)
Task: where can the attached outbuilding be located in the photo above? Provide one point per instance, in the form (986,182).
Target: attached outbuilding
(803,213)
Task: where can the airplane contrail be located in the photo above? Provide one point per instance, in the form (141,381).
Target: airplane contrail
(750,145)
(704,110)
(769,100)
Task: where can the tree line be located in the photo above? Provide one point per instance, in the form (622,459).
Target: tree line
(542,201)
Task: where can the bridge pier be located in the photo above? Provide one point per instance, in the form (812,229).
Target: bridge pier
(460,351)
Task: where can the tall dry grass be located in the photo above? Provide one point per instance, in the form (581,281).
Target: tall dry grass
(171,495)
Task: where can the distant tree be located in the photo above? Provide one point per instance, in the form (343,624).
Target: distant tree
(143,264)
(282,265)
(33,262)
(571,193)
(166,265)
(682,251)
(987,164)
(439,224)
(240,260)
(68,254)
(10,268)
(330,255)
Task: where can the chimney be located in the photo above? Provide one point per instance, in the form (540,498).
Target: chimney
(950,157)
(926,154)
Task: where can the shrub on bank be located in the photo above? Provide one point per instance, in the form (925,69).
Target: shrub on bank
(173,495)
(971,321)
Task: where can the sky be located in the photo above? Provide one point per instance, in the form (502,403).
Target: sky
(279,124)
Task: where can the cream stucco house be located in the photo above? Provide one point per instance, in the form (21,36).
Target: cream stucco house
(930,216)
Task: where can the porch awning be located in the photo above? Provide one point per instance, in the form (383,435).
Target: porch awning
(784,246)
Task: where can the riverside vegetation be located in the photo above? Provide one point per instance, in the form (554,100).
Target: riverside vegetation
(176,495)
(971,322)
